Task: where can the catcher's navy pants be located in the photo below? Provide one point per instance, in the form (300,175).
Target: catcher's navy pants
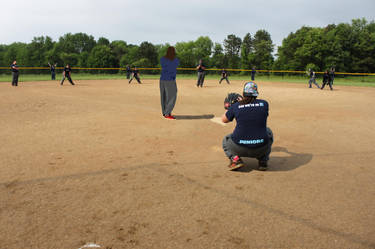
(261,153)
(168,96)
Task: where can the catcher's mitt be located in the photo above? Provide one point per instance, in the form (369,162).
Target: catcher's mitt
(231,99)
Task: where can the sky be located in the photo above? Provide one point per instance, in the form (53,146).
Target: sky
(171,21)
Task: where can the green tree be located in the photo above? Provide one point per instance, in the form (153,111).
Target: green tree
(149,52)
(101,56)
(232,46)
(262,56)
(246,50)
(203,49)
(218,59)
(102,41)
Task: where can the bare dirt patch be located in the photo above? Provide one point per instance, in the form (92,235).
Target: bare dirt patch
(96,162)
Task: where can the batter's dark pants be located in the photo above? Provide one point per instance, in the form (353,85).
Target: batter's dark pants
(53,75)
(168,96)
(15,78)
(226,78)
(70,80)
(200,79)
(136,77)
(262,153)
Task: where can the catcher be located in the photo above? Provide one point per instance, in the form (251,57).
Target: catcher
(251,137)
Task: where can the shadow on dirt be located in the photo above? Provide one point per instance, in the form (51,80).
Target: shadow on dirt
(190,117)
(291,161)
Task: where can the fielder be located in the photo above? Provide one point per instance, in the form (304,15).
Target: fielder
(224,76)
(326,80)
(200,68)
(251,137)
(52,67)
(15,73)
(312,78)
(67,74)
(135,75)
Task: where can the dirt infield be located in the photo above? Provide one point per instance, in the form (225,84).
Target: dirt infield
(96,162)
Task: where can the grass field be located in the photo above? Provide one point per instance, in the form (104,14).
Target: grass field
(97,162)
(368,81)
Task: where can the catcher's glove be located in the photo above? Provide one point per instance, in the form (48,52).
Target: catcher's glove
(231,99)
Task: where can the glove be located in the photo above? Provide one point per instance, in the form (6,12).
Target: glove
(231,99)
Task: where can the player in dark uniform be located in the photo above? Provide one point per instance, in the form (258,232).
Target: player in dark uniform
(326,80)
(67,74)
(251,137)
(224,75)
(200,68)
(135,75)
(312,78)
(253,72)
(128,72)
(15,73)
(332,76)
(52,68)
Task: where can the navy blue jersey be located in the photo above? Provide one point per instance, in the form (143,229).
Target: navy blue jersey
(251,128)
(67,70)
(14,68)
(201,67)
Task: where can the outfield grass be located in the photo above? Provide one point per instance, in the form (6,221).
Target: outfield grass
(368,81)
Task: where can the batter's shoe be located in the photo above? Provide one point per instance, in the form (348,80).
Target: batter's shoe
(169,117)
(235,163)
(262,165)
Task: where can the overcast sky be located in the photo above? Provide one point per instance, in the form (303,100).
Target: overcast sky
(172,20)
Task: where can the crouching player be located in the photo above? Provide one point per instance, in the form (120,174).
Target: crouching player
(251,137)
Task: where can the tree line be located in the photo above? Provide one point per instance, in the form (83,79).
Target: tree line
(347,47)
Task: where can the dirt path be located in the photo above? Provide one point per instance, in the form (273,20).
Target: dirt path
(97,163)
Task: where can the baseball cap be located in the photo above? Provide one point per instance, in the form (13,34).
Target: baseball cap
(250,89)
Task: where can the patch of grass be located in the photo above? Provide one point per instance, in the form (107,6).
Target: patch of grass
(368,81)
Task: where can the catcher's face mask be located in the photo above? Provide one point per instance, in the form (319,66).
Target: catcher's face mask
(250,89)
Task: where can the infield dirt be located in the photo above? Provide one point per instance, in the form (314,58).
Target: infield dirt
(97,162)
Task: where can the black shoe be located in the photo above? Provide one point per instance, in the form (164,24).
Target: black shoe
(262,165)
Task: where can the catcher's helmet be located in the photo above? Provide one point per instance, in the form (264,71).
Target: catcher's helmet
(250,89)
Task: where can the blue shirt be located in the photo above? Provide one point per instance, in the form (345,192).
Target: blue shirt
(168,68)
(251,128)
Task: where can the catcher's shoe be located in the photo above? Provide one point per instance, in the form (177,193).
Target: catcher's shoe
(235,163)
(262,165)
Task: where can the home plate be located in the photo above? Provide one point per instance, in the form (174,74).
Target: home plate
(217,120)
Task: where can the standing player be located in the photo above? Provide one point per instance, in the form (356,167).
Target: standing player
(128,71)
(251,137)
(224,75)
(15,73)
(253,72)
(201,68)
(326,80)
(312,78)
(52,68)
(67,74)
(135,75)
(168,86)
(332,75)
